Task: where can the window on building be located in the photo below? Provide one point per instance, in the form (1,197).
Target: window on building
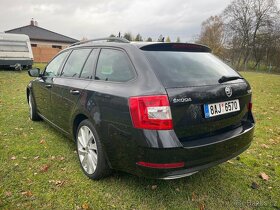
(33,45)
(57,46)
(114,65)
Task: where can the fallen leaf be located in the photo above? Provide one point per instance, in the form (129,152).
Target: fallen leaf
(42,141)
(27,193)
(265,146)
(8,193)
(264,176)
(24,158)
(154,187)
(57,182)
(13,158)
(29,181)
(229,161)
(177,189)
(272,141)
(201,206)
(193,196)
(255,185)
(36,157)
(62,158)
(85,206)
(45,168)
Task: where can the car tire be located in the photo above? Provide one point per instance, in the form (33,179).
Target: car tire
(33,115)
(90,152)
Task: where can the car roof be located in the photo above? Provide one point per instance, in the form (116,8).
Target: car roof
(149,46)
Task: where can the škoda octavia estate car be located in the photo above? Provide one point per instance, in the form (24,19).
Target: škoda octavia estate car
(159,110)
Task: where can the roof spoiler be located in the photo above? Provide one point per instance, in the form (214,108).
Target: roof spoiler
(183,47)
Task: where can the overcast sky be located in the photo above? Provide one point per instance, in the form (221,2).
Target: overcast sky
(99,18)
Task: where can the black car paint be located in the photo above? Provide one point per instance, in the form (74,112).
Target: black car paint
(197,141)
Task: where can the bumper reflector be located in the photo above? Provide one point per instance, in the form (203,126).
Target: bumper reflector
(161,165)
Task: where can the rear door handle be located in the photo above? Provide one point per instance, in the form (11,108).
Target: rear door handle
(74,92)
(48,86)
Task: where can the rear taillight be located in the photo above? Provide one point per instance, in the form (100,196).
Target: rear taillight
(250,106)
(151,112)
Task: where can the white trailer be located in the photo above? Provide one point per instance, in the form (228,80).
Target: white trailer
(15,51)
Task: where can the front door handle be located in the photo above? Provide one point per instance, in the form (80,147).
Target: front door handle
(74,92)
(48,86)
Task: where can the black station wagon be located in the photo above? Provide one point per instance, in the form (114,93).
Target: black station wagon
(159,110)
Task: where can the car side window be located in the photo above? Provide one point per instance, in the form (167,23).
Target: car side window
(53,67)
(114,65)
(75,63)
(89,65)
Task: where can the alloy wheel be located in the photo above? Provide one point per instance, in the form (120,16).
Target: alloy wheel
(87,149)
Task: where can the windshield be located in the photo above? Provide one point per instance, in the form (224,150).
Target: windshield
(181,69)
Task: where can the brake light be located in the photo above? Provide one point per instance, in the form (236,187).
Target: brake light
(250,106)
(161,165)
(151,112)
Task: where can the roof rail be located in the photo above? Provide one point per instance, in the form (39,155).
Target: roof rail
(108,39)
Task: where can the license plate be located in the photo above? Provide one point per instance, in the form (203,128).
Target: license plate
(220,108)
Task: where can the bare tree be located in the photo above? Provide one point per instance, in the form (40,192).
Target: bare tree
(212,34)
(168,39)
(128,36)
(149,39)
(138,38)
(246,22)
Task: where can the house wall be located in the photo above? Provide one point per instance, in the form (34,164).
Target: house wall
(45,51)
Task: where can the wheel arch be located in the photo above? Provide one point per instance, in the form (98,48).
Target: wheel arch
(77,120)
(79,117)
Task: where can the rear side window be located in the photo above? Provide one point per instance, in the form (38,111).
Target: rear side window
(180,69)
(114,65)
(75,63)
(53,67)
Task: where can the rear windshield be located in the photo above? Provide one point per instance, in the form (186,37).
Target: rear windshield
(181,69)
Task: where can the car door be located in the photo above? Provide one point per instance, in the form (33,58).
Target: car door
(114,75)
(43,86)
(69,87)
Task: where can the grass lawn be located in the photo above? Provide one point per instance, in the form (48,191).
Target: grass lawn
(39,168)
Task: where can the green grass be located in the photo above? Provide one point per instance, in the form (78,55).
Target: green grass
(27,148)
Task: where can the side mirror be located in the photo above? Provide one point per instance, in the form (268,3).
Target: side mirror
(34,72)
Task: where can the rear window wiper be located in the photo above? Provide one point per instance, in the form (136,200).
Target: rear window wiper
(228,78)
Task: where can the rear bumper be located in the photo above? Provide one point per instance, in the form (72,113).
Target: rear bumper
(196,157)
